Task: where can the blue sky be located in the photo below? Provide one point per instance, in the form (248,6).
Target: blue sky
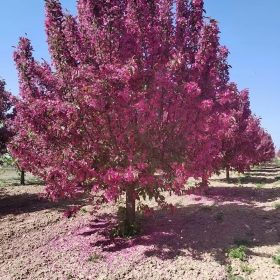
(249,28)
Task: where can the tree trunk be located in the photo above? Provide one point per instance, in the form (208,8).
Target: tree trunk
(204,182)
(227,173)
(22,177)
(130,204)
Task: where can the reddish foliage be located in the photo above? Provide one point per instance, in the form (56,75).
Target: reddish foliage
(265,150)
(6,114)
(244,143)
(133,90)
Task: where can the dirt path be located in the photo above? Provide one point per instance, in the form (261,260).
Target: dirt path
(199,241)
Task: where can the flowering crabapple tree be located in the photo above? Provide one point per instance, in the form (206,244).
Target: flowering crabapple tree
(245,147)
(278,153)
(131,93)
(6,114)
(240,140)
(245,143)
(265,150)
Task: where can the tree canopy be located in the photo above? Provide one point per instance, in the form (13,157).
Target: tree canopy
(134,90)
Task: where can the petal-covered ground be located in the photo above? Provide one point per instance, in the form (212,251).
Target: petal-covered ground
(203,239)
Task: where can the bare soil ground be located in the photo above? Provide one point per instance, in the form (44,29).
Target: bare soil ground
(201,240)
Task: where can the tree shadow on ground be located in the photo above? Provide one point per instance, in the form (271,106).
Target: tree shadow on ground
(193,230)
(27,203)
(262,173)
(265,170)
(246,195)
(247,180)
(267,175)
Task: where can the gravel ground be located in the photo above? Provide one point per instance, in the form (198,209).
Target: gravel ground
(196,242)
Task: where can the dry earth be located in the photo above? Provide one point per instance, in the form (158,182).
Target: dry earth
(196,242)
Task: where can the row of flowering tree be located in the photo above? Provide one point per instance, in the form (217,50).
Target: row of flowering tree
(245,143)
(7,114)
(135,88)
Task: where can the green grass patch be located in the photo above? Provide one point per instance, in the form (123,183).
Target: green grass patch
(256,167)
(12,179)
(34,181)
(276,258)
(276,183)
(123,228)
(245,268)
(231,275)
(178,203)
(277,205)
(260,185)
(277,161)
(238,253)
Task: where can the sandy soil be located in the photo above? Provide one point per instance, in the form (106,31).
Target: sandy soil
(196,242)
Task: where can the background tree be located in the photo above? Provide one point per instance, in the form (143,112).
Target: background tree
(5,115)
(244,143)
(233,141)
(265,150)
(133,90)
